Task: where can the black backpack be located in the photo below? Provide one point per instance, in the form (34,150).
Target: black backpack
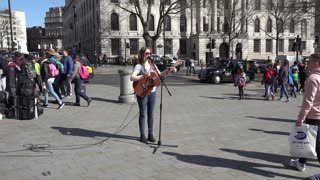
(27,69)
(25,86)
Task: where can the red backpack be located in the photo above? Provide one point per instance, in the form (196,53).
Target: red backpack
(83,73)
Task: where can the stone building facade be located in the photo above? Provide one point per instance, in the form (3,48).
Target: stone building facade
(102,26)
(18,31)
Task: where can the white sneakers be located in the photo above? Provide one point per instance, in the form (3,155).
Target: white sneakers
(295,163)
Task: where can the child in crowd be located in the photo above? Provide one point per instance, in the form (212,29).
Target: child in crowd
(240,81)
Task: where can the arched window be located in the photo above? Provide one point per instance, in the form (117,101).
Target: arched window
(269,25)
(151,23)
(114,22)
(257,25)
(183,23)
(167,23)
(304,28)
(291,28)
(133,22)
(280,25)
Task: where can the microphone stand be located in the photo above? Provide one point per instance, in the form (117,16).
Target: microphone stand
(161,95)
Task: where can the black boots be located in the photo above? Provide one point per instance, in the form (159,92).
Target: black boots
(151,138)
(143,139)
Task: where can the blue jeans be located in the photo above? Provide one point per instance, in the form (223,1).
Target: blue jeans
(284,90)
(146,103)
(49,85)
(77,90)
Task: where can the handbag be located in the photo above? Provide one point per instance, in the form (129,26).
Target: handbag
(302,141)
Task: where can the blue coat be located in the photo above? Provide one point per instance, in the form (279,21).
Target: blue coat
(67,64)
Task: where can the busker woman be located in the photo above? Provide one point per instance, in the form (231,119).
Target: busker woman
(142,71)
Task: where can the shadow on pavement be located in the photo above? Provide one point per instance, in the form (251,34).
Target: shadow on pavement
(272,132)
(250,167)
(105,100)
(234,97)
(272,119)
(275,158)
(89,133)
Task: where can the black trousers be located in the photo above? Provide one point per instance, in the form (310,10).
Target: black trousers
(315,123)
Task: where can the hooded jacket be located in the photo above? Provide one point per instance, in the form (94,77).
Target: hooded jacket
(311,99)
(44,70)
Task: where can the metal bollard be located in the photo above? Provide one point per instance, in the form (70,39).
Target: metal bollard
(126,89)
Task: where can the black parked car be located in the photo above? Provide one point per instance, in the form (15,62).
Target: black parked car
(222,71)
(258,65)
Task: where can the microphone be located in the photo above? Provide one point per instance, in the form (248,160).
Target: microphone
(149,58)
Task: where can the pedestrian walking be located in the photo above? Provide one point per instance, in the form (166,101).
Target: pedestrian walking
(283,79)
(240,81)
(309,111)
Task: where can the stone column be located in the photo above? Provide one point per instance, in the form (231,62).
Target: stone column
(213,15)
(126,89)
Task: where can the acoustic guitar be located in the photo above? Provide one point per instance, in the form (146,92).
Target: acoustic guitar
(144,86)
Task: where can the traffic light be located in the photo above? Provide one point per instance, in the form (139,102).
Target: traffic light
(213,43)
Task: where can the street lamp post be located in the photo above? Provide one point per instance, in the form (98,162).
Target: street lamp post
(74,26)
(94,35)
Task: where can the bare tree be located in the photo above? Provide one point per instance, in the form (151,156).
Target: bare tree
(142,9)
(281,14)
(4,28)
(236,13)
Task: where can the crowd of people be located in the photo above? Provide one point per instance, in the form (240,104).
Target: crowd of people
(51,74)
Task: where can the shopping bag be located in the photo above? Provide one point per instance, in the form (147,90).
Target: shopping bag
(302,141)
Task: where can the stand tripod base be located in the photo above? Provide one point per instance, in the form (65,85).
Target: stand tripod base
(160,144)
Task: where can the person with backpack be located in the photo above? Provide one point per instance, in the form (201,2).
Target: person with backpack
(54,58)
(47,76)
(65,85)
(240,81)
(283,80)
(269,78)
(78,82)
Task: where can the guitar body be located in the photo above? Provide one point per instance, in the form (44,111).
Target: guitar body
(144,86)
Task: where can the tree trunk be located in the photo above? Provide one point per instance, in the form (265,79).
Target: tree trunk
(148,40)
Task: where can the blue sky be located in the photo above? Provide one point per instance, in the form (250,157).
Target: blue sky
(35,10)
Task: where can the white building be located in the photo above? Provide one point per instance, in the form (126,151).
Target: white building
(18,31)
(188,33)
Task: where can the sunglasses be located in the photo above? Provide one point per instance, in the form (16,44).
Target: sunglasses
(147,53)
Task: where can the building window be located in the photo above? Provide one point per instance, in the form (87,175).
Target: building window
(269,45)
(291,41)
(205,25)
(167,2)
(151,23)
(115,46)
(218,24)
(114,22)
(114,1)
(204,3)
(304,28)
(168,46)
(133,22)
(305,6)
(226,4)
(256,45)
(225,26)
(303,45)
(291,28)
(257,25)
(183,23)
(167,23)
(183,46)
(257,4)
(134,46)
(281,45)
(269,25)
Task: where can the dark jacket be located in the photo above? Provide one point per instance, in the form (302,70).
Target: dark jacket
(283,74)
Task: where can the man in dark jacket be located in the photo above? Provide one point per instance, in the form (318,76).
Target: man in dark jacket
(283,79)
(65,85)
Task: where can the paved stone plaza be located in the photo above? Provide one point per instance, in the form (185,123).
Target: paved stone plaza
(218,136)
